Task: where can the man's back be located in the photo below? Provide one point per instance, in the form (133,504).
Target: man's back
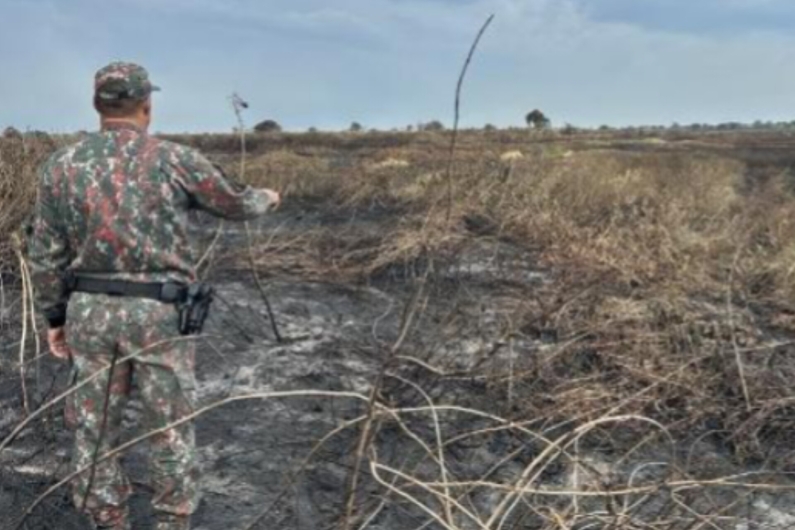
(119,200)
(121,209)
(111,216)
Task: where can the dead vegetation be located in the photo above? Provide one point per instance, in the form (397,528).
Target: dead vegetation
(665,312)
(20,157)
(668,269)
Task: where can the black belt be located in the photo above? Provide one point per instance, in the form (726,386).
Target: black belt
(167,292)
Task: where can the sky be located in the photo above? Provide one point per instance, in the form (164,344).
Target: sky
(391,63)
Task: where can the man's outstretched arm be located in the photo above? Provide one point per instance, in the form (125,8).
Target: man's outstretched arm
(212,191)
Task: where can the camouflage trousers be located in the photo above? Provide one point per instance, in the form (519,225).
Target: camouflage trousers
(98,328)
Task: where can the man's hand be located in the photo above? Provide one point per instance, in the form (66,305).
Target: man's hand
(274,197)
(57,341)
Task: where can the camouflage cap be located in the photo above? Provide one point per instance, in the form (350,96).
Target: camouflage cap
(120,80)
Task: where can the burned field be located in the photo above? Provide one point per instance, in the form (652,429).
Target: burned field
(580,332)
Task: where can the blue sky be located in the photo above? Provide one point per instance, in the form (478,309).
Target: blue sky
(390,63)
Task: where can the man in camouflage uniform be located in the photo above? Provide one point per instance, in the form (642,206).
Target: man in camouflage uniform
(114,206)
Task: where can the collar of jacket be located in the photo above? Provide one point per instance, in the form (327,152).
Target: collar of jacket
(121,125)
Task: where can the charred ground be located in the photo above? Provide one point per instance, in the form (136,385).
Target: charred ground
(601,323)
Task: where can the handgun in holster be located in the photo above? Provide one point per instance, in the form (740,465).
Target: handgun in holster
(195,307)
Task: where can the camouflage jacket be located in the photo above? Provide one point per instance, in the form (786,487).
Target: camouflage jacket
(117,204)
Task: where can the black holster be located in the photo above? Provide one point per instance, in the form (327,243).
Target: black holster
(194,308)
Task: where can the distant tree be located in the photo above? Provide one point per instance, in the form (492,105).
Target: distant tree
(312,129)
(11,132)
(409,128)
(569,129)
(537,119)
(604,128)
(434,125)
(489,127)
(268,126)
(356,127)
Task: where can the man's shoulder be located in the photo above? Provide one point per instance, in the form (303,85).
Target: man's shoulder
(177,152)
(61,157)
(90,143)
(182,156)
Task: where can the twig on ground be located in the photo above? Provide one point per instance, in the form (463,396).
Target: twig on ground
(365,437)
(439,443)
(25,271)
(737,354)
(261,289)
(185,419)
(23,342)
(238,105)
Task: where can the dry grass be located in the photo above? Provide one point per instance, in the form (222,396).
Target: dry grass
(670,268)
(643,218)
(672,219)
(19,159)
(671,274)
(655,237)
